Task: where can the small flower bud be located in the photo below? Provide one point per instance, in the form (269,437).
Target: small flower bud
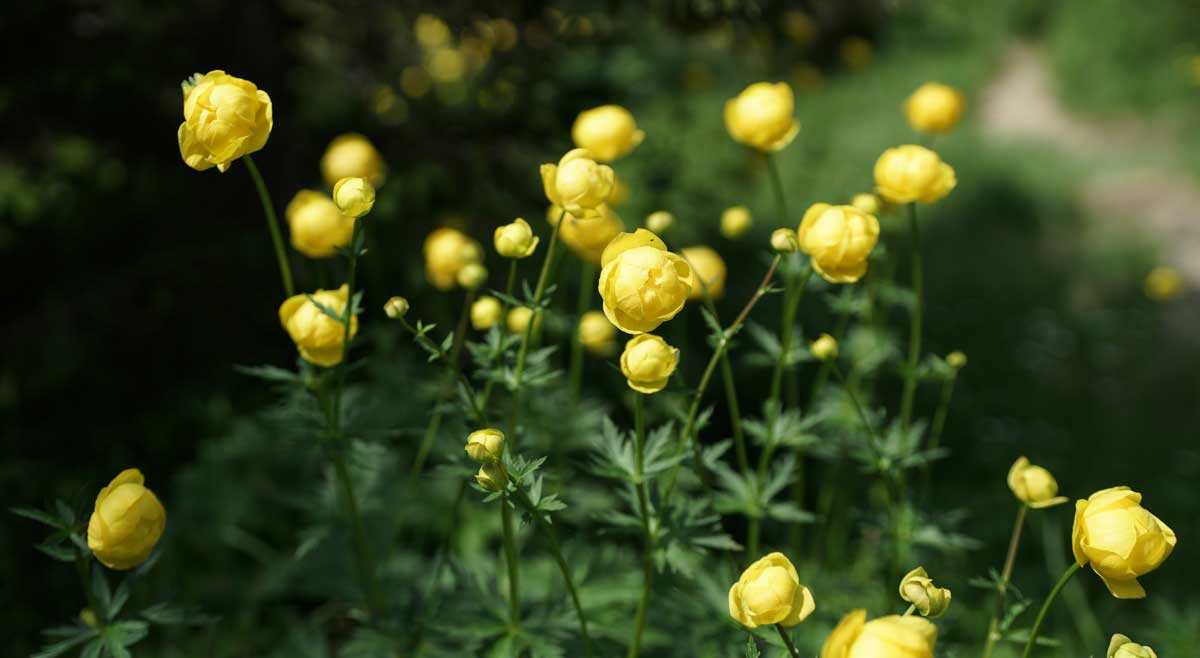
(1033,485)
(929,599)
(354,196)
(515,240)
(956,360)
(1163,284)
(735,221)
(659,221)
(485,445)
(648,362)
(824,348)
(518,319)
(396,308)
(868,203)
(492,476)
(783,240)
(485,313)
(472,275)
(1122,647)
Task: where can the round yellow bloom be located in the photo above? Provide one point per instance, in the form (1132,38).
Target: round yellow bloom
(1033,485)
(929,599)
(608,131)
(578,183)
(224,118)
(887,637)
(868,203)
(518,319)
(1120,539)
(596,333)
(956,360)
(1122,647)
(824,348)
(659,221)
(761,116)
(515,240)
(908,173)
(839,239)
(395,307)
(642,284)
(648,362)
(708,272)
(319,338)
(471,276)
(769,592)
(735,221)
(1163,284)
(318,228)
(784,240)
(587,237)
(354,196)
(486,445)
(352,156)
(447,251)
(431,31)
(126,522)
(492,476)
(485,313)
(934,108)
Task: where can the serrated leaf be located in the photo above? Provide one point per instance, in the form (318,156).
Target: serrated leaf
(270,374)
(38,515)
(60,648)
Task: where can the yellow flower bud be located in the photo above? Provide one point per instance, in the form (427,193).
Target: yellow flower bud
(89,618)
(824,348)
(761,116)
(126,523)
(447,251)
(648,362)
(587,237)
(472,275)
(1163,284)
(486,445)
(1120,539)
(352,156)
(485,313)
(839,239)
(913,173)
(784,241)
(929,599)
(319,338)
(892,636)
(956,360)
(934,108)
(642,284)
(224,118)
(578,183)
(708,272)
(492,476)
(608,131)
(659,221)
(431,31)
(735,221)
(317,226)
(515,240)
(395,307)
(1122,647)
(596,333)
(769,592)
(354,196)
(1033,485)
(868,203)
(518,319)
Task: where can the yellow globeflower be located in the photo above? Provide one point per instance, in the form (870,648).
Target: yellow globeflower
(1033,485)
(518,319)
(908,173)
(1122,647)
(515,240)
(447,251)
(471,276)
(648,362)
(318,228)
(224,118)
(735,221)
(485,313)
(824,348)
(578,183)
(587,237)
(1163,284)
(608,131)
(929,599)
(887,637)
(1120,539)
(126,522)
(319,338)
(708,271)
(839,239)
(431,31)
(352,156)
(784,240)
(354,196)
(934,108)
(642,284)
(485,445)
(596,333)
(492,476)
(395,307)
(769,592)
(956,360)
(761,116)
(868,203)
(659,221)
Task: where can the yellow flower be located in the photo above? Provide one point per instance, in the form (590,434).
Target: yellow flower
(868,203)
(784,240)
(908,173)
(1120,539)
(126,522)
(485,313)
(224,118)
(769,592)
(648,362)
(1033,485)
(317,226)
(929,599)
(824,348)
(761,116)
(518,319)
(515,240)
(956,360)
(642,284)
(319,338)
(587,237)
(431,31)
(485,445)
(608,131)
(395,307)
(447,250)
(1163,284)
(352,156)
(887,637)
(934,108)
(471,276)
(596,333)
(659,221)
(492,476)
(839,239)
(1122,647)
(620,192)
(578,183)
(354,196)
(708,272)
(735,221)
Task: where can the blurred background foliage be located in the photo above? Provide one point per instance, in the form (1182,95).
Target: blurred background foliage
(137,284)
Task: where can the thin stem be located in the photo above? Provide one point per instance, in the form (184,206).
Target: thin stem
(285,268)
(939,424)
(348,312)
(508,291)
(510,557)
(914,330)
(364,564)
(777,188)
(1037,624)
(1005,574)
(792,297)
(876,441)
(644,511)
(435,421)
(83,564)
(587,273)
(639,620)
(787,641)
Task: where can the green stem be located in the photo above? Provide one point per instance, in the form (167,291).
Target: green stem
(348,313)
(777,187)
(787,641)
(935,436)
(364,564)
(1041,617)
(823,372)
(644,511)
(285,268)
(587,284)
(876,442)
(83,564)
(508,291)
(792,297)
(914,331)
(911,609)
(639,620)
(1005,575)
(435,421)
(510,557)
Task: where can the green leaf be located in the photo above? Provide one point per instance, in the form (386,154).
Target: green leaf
(270,374)
(752,648)
(38,515)
(57,551)
(102,593)
(59,648)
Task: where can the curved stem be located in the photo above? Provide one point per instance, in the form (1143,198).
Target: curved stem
(935,436)
(510,557)
(914,330)
(285,268)
(787,641)
(83,564)
(1001,592)
(911,609)
(508,291)
(435,421)
(1037,624)
(364,564)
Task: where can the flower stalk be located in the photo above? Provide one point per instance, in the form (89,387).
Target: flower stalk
(914,331)
(285,268)
(1041,617)
(993,633)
